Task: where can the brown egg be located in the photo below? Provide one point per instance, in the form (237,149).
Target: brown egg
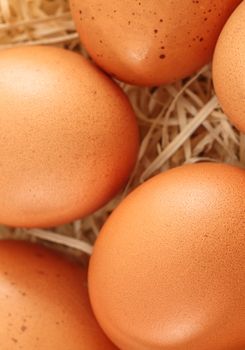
(229,68)
(150,42)
(44,302)
(168,269)
(68,137)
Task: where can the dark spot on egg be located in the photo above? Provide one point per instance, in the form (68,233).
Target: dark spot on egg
(162,56)
(23,328)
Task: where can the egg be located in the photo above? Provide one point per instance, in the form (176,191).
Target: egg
(68,137)
(229,68)
(44,301)
(150,42)
(168,268)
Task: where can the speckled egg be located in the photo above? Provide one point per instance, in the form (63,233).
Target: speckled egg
(168,268)
(229,68)
(68,137)
(151,42)
(44,302)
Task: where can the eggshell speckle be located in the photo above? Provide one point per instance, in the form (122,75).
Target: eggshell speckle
(229,68)
(150,42)
(44,302)
(68,137)
(168,268)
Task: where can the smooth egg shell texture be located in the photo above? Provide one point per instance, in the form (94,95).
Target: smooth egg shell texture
(44,302)
(229,68)
(151,42)
(68,137)
(168,268)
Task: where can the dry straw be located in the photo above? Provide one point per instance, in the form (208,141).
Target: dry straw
(179,123)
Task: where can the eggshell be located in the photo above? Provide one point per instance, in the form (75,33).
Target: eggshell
(44,302)
(168,268)
(68,137)
(150,42)
(229,68)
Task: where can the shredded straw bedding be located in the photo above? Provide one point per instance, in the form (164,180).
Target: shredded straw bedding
(179,123)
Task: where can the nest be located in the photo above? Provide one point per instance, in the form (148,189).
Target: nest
(179,123)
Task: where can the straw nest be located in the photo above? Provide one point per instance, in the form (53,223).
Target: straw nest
(179,123)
